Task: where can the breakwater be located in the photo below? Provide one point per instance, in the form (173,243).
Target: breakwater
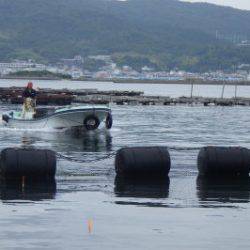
(191,81)
(47,96)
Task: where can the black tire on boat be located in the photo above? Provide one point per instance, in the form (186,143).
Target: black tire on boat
(109,121)
(91,122)
(223,161)
(29,163)
(143,162)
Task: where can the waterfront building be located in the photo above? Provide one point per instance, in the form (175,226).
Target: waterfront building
(20,65)
(77,61)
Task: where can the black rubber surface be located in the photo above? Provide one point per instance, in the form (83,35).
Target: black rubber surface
(143,162)
(221,161)
(28,163)
(91,122)
(5,118)
(109,121)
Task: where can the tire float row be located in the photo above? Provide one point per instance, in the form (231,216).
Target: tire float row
(133,162)
(36,164)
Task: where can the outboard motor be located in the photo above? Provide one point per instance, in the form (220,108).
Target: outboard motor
(5,118)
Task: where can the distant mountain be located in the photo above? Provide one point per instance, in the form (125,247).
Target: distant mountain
(161,33)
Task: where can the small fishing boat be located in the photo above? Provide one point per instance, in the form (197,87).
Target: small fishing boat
(62,118)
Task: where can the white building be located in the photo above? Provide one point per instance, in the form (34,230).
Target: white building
(18,65)
(77,61)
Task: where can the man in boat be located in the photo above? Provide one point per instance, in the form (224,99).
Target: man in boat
(29,103)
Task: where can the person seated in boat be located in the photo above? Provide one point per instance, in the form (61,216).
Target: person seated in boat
(29,103)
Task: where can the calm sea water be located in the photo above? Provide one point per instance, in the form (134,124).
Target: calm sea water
(184,212)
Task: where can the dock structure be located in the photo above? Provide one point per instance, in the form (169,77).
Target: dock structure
(13,95)
(160,100)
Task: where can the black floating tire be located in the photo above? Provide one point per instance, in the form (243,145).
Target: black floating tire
(224,161)
(91,122)
(143,162)
(30,163)
(109,121)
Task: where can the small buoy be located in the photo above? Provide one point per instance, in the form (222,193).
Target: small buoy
(90,226)
(221,161)
(143,162)
(27,163)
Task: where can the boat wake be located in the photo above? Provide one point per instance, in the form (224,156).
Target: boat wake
(3,127)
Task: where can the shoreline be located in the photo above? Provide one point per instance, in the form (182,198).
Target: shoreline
(166,82)
(134,81)
(181,82)
(31,78)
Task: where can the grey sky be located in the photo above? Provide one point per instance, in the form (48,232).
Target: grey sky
(241,4)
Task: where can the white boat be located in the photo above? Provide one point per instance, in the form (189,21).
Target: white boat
(63,118)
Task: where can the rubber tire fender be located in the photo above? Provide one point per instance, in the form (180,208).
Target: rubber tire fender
(91,127)
(109,121)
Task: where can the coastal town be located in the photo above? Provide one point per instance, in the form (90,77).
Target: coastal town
(124,124)
(77,68)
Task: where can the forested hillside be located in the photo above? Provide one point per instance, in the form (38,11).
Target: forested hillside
(161,33)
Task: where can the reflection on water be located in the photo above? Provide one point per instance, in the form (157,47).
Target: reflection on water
(211,191)
(179,127)
(94,142)
(87,141)
(28,191)
(136,191)
(141,188)
(85,190)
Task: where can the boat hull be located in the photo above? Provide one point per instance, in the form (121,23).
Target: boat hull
(61,119)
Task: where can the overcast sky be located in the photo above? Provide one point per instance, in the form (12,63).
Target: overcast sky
(241,4)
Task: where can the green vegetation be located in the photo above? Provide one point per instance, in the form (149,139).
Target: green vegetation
(135,61)
(93,64)
(163,34)
(42,74)
(211,58)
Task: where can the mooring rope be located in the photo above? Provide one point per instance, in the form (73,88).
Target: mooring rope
(112,154)
(184,148)
(72,159)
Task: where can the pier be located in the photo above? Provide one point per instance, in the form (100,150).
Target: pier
(13,95)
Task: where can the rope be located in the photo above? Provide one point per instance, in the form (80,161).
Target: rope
(112,154)
(72,159)
(184,148)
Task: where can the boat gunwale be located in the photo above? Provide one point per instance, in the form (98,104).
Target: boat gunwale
(81,110)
